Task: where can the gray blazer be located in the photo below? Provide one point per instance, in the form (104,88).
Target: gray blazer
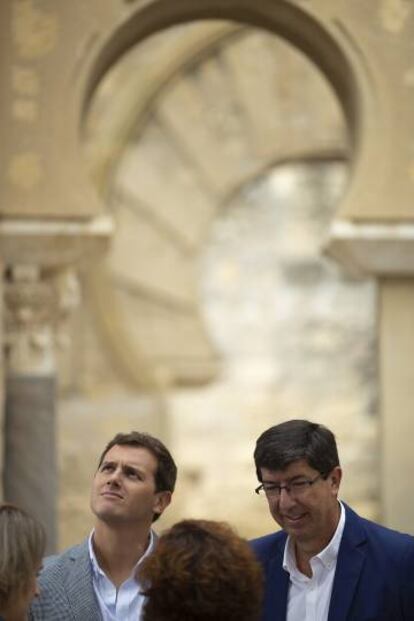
(66,589)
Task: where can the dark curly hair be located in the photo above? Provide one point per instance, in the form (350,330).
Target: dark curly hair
(202,570)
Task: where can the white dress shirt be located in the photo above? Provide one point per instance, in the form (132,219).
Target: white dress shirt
(124,603)
(309,598)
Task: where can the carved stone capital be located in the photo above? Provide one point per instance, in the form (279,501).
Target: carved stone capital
(37,302)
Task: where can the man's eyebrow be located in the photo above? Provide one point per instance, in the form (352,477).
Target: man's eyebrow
(124,465)
(135,467)
(284,481)
(131,467)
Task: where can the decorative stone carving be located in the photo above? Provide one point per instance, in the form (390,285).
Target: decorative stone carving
(37,303)
(41,287)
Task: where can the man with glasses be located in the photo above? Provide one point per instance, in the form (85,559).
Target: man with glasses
(326,562)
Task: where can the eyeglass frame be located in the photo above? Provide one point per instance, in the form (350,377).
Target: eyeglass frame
(276,488)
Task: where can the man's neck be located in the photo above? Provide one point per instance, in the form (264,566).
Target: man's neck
(303,558)
(118,550)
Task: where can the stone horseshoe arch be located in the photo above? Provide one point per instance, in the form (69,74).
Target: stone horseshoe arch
(329,50)
(300,28)
(365,53)
(341,46)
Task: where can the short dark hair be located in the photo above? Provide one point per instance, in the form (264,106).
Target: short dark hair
(292,440)
(166,473)
(203,571)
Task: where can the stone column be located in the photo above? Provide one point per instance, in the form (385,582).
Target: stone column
(396,306)
(35,304)
(1,390)
(387,252)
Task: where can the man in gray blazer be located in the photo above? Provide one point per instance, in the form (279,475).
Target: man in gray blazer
(97,580)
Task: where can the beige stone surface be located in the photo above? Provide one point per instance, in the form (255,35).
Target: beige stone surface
(396,325)
(170,202)
(54,244)
(169,273)
(41,97)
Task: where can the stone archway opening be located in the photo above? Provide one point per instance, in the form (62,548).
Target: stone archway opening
(297,26)
(217,106)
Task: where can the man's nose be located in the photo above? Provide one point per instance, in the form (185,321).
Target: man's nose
(285,499)
(114,476)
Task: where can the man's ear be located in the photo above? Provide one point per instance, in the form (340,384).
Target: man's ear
(335,478)
(161,501)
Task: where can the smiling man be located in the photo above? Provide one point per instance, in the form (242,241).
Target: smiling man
(327,563)
(96,580)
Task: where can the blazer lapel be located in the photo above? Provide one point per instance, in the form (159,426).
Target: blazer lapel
(351,558)
(277,583)
(79,587)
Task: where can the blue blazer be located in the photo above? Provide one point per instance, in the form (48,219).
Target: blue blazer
(374,577)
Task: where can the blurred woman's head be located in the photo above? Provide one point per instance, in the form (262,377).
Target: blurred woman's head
(22,544)
(202,571)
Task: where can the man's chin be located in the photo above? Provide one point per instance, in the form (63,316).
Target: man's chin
(107,512)
(110,518)
(296,526)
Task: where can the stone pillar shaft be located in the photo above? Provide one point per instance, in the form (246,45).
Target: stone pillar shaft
(36,303)
(30,473)
(397,398)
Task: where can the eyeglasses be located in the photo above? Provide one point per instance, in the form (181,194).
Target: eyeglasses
(295,488)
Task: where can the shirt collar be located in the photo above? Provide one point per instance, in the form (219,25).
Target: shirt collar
(327,556)
(94,561)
